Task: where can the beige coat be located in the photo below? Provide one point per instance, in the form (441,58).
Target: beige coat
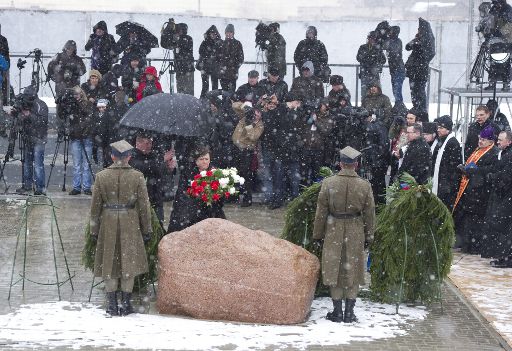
(246,136)
(344,193)
(120,249)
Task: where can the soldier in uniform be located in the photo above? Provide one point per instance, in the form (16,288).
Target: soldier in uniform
(344,223)
(121,224)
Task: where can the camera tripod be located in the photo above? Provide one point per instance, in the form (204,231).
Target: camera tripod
(168,65)
(261,63)
(38,71)
(65,139)
(9,155)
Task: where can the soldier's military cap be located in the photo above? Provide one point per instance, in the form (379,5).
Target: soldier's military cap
(121,148)
(349,155)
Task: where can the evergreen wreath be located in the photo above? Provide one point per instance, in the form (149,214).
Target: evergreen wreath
(412,249)
(142,281)
(299,220)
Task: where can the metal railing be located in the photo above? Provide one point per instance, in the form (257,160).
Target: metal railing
(435,74)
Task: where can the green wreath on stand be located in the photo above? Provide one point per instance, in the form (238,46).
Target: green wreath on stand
(143,281)
(299,220)
(412,249)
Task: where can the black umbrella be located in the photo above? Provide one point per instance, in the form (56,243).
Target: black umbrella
(171,114)
(127,27)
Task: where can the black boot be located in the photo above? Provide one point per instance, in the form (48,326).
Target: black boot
(112,303)
(337,314)
(126,305)
(350,317)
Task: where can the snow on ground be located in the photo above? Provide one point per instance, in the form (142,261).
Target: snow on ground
(78,325)
(488,289)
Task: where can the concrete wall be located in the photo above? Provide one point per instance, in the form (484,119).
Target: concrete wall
(49,30)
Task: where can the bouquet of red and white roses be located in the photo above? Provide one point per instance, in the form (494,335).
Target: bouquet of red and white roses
(216,184)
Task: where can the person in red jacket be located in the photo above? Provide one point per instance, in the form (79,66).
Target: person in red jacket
(149,83)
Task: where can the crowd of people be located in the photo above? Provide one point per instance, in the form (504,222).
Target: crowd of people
(277,137)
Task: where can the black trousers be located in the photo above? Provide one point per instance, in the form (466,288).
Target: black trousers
(243,160)
(228,84)
(205,80)
(419,95)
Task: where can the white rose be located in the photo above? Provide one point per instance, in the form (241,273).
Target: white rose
(223,182)
(236,178)
(241,180)
(225,172)
(232,191)
(203,173)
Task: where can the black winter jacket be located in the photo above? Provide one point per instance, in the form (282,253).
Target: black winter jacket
(417,160)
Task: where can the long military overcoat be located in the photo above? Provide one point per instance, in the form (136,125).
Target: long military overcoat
(344,193)
(120,248)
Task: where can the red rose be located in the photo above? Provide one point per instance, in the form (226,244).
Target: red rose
(216,197)
(193,184)
(197,176)
(215,185)
(204,198)
(227,194)
(204,184)
(209,173)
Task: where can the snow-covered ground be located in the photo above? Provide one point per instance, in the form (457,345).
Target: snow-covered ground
(488,289)
(77,325)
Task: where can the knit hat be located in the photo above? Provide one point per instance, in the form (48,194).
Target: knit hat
(336,80)
(273,71)
(311,29)
(488,133)
(230,28)
(253,74)
(445,122)
(95,73)
(308,65)
(429,128)
(70,44)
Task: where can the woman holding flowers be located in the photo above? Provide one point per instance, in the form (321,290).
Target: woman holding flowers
(191,207)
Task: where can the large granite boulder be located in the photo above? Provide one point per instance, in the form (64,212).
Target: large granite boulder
(220,270)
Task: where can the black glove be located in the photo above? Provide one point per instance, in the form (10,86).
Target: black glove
(318,243)
(95,154)
(462,168)
(94,238)
(146,238)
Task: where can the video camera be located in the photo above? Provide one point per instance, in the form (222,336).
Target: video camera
(168,35)
(263,32)
(67,105)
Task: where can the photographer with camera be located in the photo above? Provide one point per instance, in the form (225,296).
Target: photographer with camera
(371,59)
(276,50)
(4,67)
(130,78)
(251,91)
(66,68)
(313,50)
(274,84)
(32,114)
(76,115)
(207,63)
(184,60)
(130,45)
(92,88)
(231,58)
(307,86)
(378,104)
(245,137)
(103,47)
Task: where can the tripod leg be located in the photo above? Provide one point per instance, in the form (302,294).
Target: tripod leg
(57,146)
(87,158)
(66,158)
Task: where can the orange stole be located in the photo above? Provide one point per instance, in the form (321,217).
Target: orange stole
(475,157)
